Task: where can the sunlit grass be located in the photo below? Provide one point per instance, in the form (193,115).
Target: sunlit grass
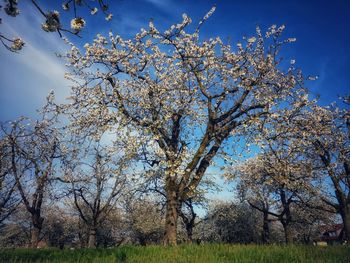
(184,253)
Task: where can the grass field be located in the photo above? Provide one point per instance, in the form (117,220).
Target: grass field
(184,253)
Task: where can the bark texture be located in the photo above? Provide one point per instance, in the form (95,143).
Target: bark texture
(172,206)
(92,238)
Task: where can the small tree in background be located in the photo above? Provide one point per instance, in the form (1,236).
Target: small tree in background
(326,138)
(34,151)
(98,179)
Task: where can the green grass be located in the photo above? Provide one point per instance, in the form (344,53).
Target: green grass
(184,253)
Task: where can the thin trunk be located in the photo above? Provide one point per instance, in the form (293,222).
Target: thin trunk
(142,239)
(34,237)
(307,238)
(35,232)
(266,229)
(189,230)
(172,205)
(345,214)
(189,221)
(286,218)
(287,233)
(92,237)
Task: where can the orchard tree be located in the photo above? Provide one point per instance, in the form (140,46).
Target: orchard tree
(9,199)
(113,231)
(185,96)
(145,220)
(96,186)
(326,138)
(258,196)
(320,136)
(231,222)
(98,179)
(266,194)
(308,220)
(60,228)
(16,231)
(280,176)
(189,218)
(154,183)
(34,150)
(274,181)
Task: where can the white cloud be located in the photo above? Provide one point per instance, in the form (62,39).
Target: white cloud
(27,77)
(160,3)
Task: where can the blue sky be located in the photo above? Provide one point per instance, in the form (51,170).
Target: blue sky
(322,29)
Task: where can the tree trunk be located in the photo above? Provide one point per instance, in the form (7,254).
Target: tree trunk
(346,222)
(266,229)
(287,218)
(172,205)
(189,225)
(37,221)
(34,237)
(189,230)
(287,233)
(92,237)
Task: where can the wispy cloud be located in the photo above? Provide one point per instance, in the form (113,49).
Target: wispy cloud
(27,77)
(162,4)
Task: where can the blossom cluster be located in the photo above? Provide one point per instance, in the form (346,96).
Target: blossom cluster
(52,22)
(183,95)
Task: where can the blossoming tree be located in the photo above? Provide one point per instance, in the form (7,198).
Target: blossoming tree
(326,134)
(185,96)
(97,178)
(272,183)
(9,199)
(34,148)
